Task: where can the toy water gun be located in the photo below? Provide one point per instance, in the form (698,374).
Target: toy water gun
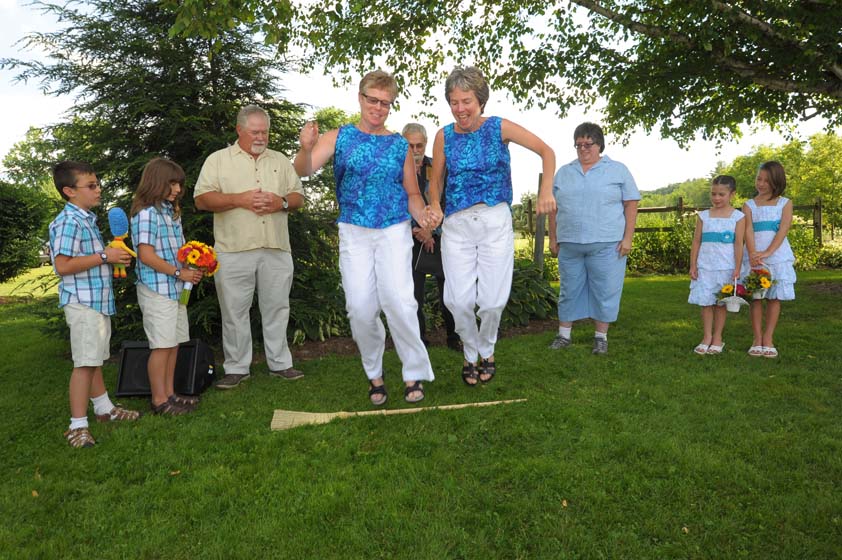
(119,224)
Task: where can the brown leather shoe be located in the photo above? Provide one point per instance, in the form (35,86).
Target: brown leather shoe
(290,374)
(231,380)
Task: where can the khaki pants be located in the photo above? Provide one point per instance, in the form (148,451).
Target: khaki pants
(270,272)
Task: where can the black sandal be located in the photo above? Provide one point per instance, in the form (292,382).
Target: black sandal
(415,387)
(375,390)
(487,368)
(469,372)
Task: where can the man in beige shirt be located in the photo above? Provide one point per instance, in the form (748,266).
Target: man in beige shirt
(251,190)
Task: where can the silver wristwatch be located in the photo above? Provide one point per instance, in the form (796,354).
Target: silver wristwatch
(104,257)
(177,273)
(285,203)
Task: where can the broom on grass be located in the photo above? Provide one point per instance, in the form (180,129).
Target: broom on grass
(286,419)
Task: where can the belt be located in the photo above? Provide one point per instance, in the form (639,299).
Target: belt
(718,237)
(770,225)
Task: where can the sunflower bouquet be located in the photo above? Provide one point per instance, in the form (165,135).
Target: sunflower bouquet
(757,282)
(198,256)
(730,295)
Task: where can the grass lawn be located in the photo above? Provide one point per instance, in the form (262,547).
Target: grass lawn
(649,452)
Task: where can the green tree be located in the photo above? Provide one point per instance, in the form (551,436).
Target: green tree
(683,68)
(141,93)
(820,176)
(23,213)
(29,162)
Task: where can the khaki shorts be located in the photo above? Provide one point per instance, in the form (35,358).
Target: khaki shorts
(90,335)
(164,320)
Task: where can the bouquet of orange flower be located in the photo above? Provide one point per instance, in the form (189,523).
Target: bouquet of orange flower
(196,255)
(757,282)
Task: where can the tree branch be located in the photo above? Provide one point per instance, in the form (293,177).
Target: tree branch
(740,68)
(769,31)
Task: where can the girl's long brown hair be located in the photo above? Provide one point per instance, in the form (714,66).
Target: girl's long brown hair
(155,185)
(777,177)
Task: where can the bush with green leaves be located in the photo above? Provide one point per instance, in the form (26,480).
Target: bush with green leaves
(830,255)
(24,213)
(531,297)
(663,252)
(804,245)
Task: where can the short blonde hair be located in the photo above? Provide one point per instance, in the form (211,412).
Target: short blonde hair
(379,80)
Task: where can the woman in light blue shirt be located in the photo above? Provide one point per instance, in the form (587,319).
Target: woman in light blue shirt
(591,232)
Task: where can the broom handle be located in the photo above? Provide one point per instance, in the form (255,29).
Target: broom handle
(390,412)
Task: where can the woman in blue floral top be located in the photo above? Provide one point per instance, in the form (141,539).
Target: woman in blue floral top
(477,237)
(377,193)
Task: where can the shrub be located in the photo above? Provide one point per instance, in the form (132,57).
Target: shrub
(532,297)
(663,252)
(803,245)
(830,255)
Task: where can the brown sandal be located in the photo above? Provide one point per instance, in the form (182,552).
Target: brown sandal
(169,408)
(79,437)
(186,400)
(118,414)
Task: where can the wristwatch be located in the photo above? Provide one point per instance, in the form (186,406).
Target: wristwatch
(104,257)
(177,273)
(285,203)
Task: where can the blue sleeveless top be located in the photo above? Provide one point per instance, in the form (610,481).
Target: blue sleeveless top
(369,178)
(478,166)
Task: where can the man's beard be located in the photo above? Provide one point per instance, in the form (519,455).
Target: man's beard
(258,149)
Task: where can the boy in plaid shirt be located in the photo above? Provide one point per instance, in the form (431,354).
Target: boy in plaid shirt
(82,261)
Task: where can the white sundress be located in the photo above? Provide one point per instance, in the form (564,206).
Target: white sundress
(765,221)
(716,261)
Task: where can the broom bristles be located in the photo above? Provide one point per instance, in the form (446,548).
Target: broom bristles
(286,419)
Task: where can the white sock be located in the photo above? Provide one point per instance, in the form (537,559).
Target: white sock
(602,335)
(76,423)
(564,332)
(102,404)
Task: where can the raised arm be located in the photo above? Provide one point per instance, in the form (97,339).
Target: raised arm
(315,150)
(515,133)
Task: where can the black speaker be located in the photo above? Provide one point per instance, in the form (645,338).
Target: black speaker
(194,369)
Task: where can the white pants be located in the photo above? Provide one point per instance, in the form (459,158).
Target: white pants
(270,271)
(376,267)
(477,247)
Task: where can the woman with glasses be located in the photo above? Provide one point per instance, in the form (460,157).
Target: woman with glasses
(592,235)
(477,237)
(377,192)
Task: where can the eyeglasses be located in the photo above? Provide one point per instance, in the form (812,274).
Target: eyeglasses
(373,101)
(91,186)
(584,145)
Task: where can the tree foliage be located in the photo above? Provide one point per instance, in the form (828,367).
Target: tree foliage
(682,68)
(23,212)
(141,93)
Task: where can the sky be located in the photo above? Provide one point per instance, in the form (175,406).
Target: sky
(653,161)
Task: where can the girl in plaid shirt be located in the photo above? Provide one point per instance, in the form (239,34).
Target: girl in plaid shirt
(157,235)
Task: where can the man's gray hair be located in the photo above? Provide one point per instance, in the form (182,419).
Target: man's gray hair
(414,128)
(249,110)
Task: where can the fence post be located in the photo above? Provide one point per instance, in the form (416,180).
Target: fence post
(817,221)
(538,249)
(680,208)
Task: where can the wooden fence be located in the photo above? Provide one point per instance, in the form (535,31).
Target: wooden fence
(539,225)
